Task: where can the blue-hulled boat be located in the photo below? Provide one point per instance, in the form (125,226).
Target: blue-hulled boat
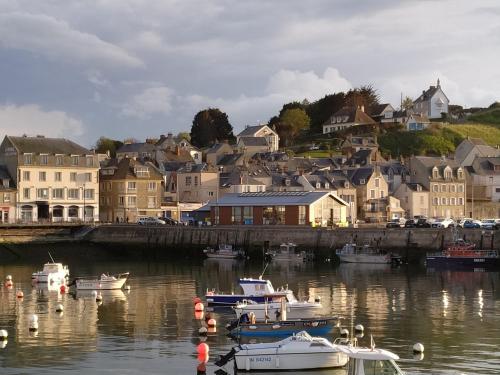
(462,255)
(255,290)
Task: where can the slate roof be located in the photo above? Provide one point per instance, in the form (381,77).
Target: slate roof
(4,175)
(429,93)
(358,174)
(253,141)
(474,144)
(378,109)
(250,131)
(485,165)
(124,170)
(414,186)
(136,147)
(196,168)
(285,198)
(42,145)
(279,179)
(230,159)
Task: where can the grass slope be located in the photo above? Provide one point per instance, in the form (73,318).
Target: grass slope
(488,116)
(489,133)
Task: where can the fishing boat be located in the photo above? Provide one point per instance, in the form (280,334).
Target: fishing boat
(253,290)
(463,254)
(352,253)
(103,282)
(223,251)
(272,307)
(287,252)
(371,360)
(297,352)
(52,273)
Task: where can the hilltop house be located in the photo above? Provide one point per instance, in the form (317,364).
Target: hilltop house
(432,103)
(347,117)
(262,131)
(470,148)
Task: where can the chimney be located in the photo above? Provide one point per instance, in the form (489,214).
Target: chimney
(170,136)
(177,150)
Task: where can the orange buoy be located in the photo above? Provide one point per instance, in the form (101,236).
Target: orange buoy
(202,358)
(212,322)
(199,307)
(196,300)
(19,294)
(198,315)
(202,349)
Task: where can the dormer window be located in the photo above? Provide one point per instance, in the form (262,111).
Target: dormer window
(327,185)
(28,159)
(362,181)
(460,173)
(318,185)
(447,173)
(435,173)
(339,119)
(141,171)
(346,185)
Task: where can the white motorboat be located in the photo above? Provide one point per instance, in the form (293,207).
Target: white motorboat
(224,251)
(280,307)
(287,252)
(298,352)
(51,273)
(352,253)
(104,282)
(370,361)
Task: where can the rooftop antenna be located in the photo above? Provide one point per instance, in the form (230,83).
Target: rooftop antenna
(52,259)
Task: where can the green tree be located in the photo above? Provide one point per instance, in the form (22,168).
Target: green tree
(210,126)
(182,135)
(322,109)
(292,122)
(292,105)
(407,103)
(366,96)
(104,145)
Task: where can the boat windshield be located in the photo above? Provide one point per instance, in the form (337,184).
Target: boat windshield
(377,367)
(290,296)
(51,267)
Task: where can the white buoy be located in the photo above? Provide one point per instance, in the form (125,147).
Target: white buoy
(203,331)
(33,326)
(34,318)
(418,356)
(418,348)
(3,343)
(359,328)
(8,278)
(59,308)
(344,332)
(94,294)
(212,322)
(98,298)
(3,334)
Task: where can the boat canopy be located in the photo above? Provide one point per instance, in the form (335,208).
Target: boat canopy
(256,286)
(371,354)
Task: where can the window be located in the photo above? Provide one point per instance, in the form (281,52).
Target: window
(59,160)
(151,186)
(26,193)
(108,185)
(75,159)
(58,176)
(131,201)
(497,190)
(443,188)
(460,201)
(327,185)
(236,215)
(131,185)
(247,215)
(73,193)
(28,159)
(381,193)
(460,188)
(103,200)
(318,185)
(268,216)
(6,197)
(195,180)
(435,188)
(121,200)
(58,193)
(210,193)
(443,201)
(42,176)
(302,215)
(89,194)
(435,173)
(151,202)
(435,201)
(89,161)
(377,182)
(452,201)
(88,177)
(421,199)
(26,175)
(460,173)
(42,193)
(141,171)
(280,214)
(452,188)
(44,159)
(372,194)
(188,181)
(406,199)
(362,181)
(72,176)
(447,174)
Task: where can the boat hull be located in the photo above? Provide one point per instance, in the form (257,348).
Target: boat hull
(231,299)
(91,284)
(221,256)
(278,361)
(364,258)
(293,311)
(53,277)
(462,262)
(315,327)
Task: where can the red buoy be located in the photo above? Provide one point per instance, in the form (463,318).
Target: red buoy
(196,300)
(199,307)
(62,289)
(202,349)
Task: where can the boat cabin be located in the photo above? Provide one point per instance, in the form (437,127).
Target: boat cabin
(370,361)
(252,287)
(287,248)
(53,267)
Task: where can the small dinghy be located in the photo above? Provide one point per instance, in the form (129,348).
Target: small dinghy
(298,352)
(104,282)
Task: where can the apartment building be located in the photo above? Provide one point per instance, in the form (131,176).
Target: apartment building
(130,189)
(57,180)
(197,183)
(7,197)
(445,180)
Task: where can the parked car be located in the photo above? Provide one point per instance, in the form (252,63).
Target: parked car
(396,223)
(170,221)
(460,223)
(313,147)
(150,221)
(443,223)
(490,224)
(411,223)
(423,223)
(470,223)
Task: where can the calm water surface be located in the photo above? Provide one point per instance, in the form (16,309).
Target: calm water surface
(152,329)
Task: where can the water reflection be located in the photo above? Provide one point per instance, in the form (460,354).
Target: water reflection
(455,315)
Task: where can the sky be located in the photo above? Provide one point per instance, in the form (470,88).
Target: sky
(141,68)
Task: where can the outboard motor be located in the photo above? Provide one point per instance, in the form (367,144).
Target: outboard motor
(223,359)
(235,323)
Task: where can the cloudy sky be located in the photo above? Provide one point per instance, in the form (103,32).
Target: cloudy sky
(140,68)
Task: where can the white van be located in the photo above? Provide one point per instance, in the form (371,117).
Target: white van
(150,221)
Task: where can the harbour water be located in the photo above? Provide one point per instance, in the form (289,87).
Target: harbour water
(152,328)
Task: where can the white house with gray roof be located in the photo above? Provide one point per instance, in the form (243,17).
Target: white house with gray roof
(262,131)
(470,148)
(432,103)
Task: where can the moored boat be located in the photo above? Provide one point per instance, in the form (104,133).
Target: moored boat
(103,282)
(297,352)
(223,251)
(52,273)
(352,253)
(288,252)
(463,254)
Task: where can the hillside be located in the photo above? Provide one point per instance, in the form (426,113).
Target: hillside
(490,133)
(487,116)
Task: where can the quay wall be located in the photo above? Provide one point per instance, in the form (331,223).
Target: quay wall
(166,241)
